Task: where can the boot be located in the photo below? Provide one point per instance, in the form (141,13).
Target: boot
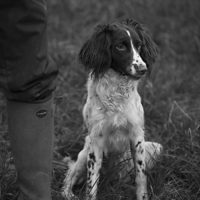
(31,133)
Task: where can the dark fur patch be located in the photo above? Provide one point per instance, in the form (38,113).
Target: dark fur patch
(138,144)
(90,164)
(92,157)
(144,172)
(140,162)
(100,134)
(95,53)
(89,174)
(142,151)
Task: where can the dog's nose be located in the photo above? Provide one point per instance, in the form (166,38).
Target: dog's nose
(140,68)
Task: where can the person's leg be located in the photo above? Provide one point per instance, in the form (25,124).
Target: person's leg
(31,133)
(28,80)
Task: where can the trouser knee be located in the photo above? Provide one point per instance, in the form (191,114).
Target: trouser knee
(26,72)
(34,87)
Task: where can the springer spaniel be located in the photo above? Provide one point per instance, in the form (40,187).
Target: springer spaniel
(117,56)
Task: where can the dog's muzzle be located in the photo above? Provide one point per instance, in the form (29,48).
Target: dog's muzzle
(140,69)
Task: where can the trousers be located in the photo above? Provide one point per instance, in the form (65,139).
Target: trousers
(27,74)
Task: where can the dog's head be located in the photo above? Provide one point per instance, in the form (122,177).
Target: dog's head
(125,47)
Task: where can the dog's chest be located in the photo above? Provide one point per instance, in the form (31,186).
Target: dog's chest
(115,98)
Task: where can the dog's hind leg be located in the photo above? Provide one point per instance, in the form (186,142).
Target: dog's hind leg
(94,162)
(75,172)
(152,153)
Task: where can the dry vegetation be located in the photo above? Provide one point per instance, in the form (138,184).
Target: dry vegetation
(171,97)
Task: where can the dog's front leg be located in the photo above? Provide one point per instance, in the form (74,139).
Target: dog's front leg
(75,171)
(138,145)
(94,162)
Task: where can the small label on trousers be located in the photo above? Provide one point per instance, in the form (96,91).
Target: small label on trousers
(41,113)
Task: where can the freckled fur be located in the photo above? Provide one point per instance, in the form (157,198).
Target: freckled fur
(113,112)
(115,97)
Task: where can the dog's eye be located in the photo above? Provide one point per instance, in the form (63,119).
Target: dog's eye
(121,47)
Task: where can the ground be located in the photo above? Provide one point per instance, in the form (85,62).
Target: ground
(171,97)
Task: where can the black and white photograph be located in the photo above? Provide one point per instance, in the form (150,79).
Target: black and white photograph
(99,100)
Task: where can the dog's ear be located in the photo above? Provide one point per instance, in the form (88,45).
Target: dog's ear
(95,54)
(149,49)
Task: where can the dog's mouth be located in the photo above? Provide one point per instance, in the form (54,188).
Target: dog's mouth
(138,74)
(133,72)
(135,76)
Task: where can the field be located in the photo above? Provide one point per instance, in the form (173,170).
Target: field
(171,96)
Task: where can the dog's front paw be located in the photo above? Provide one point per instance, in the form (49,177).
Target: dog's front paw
(67,187)
(144,197)
(90,197)
(69,195)
(67,192)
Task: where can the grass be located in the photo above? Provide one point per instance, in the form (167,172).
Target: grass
(171,97)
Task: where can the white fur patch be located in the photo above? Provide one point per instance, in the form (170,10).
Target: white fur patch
(137,60)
